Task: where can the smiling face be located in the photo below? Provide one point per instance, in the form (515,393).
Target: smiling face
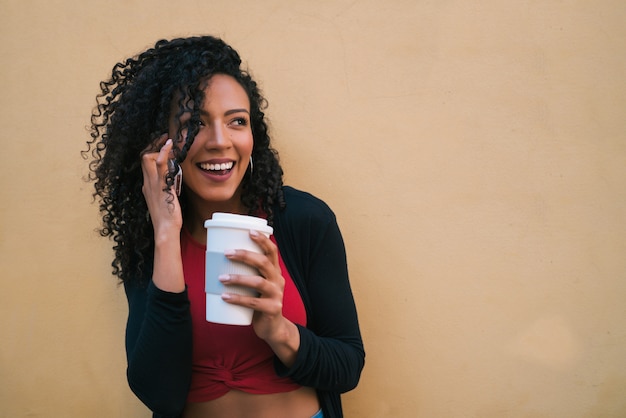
(220,154)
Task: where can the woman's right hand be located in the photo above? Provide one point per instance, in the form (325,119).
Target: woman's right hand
(166,217)
(163,205)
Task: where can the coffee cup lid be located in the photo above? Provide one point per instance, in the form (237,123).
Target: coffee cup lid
(232,220)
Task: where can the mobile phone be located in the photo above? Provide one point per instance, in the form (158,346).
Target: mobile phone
(178,178)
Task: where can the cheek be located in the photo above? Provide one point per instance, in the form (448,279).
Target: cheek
(249,143)
(196,145)
(186,167)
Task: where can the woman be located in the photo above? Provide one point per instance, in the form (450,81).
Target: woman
(188,103)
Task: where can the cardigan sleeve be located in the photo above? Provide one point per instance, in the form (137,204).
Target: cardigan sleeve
(331,355)
(158,348)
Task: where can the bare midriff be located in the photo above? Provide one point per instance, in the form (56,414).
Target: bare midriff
(300,403)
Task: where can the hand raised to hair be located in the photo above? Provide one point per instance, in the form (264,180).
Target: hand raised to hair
(163,205)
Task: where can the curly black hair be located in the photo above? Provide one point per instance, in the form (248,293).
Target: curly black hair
(132,112)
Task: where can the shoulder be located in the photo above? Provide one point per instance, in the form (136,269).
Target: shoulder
(303,206)
(304,228)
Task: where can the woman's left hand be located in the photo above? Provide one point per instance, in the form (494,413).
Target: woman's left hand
(268,321)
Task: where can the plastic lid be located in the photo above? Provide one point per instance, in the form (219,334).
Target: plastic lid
(232,220)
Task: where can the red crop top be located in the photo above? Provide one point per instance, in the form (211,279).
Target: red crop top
(227,357)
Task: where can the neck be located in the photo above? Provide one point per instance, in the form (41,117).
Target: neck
(199,211)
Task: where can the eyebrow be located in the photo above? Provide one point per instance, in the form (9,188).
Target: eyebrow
(228,112)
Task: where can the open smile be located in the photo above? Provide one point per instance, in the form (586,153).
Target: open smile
(217,169)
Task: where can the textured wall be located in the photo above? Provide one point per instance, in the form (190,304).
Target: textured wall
(474,152)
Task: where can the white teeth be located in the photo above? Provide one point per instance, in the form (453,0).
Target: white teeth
(217,167)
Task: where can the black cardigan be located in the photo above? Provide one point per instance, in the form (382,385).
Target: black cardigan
(331,355)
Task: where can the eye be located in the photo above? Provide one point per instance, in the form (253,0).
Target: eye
(194,122)
(242,121)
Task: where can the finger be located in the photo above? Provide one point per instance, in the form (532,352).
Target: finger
(258,283)
(154,164)
(148,167)
(261,262)
(267,246)
(149,155)
(164,155)
(269,306)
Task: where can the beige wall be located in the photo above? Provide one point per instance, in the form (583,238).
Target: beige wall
(473,150)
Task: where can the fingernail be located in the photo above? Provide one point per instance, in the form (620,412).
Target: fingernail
(229,253)
(254,233)
(224,278)
(169,141)
(226,296)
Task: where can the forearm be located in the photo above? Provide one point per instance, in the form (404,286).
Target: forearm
(286,342)
(168,266)
(326,363)
(166,218)
(158,343)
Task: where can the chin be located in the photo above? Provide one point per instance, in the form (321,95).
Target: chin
(223,199)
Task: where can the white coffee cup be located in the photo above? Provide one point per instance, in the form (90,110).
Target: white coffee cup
(228,231)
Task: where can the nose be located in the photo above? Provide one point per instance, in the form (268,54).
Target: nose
(217,137)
